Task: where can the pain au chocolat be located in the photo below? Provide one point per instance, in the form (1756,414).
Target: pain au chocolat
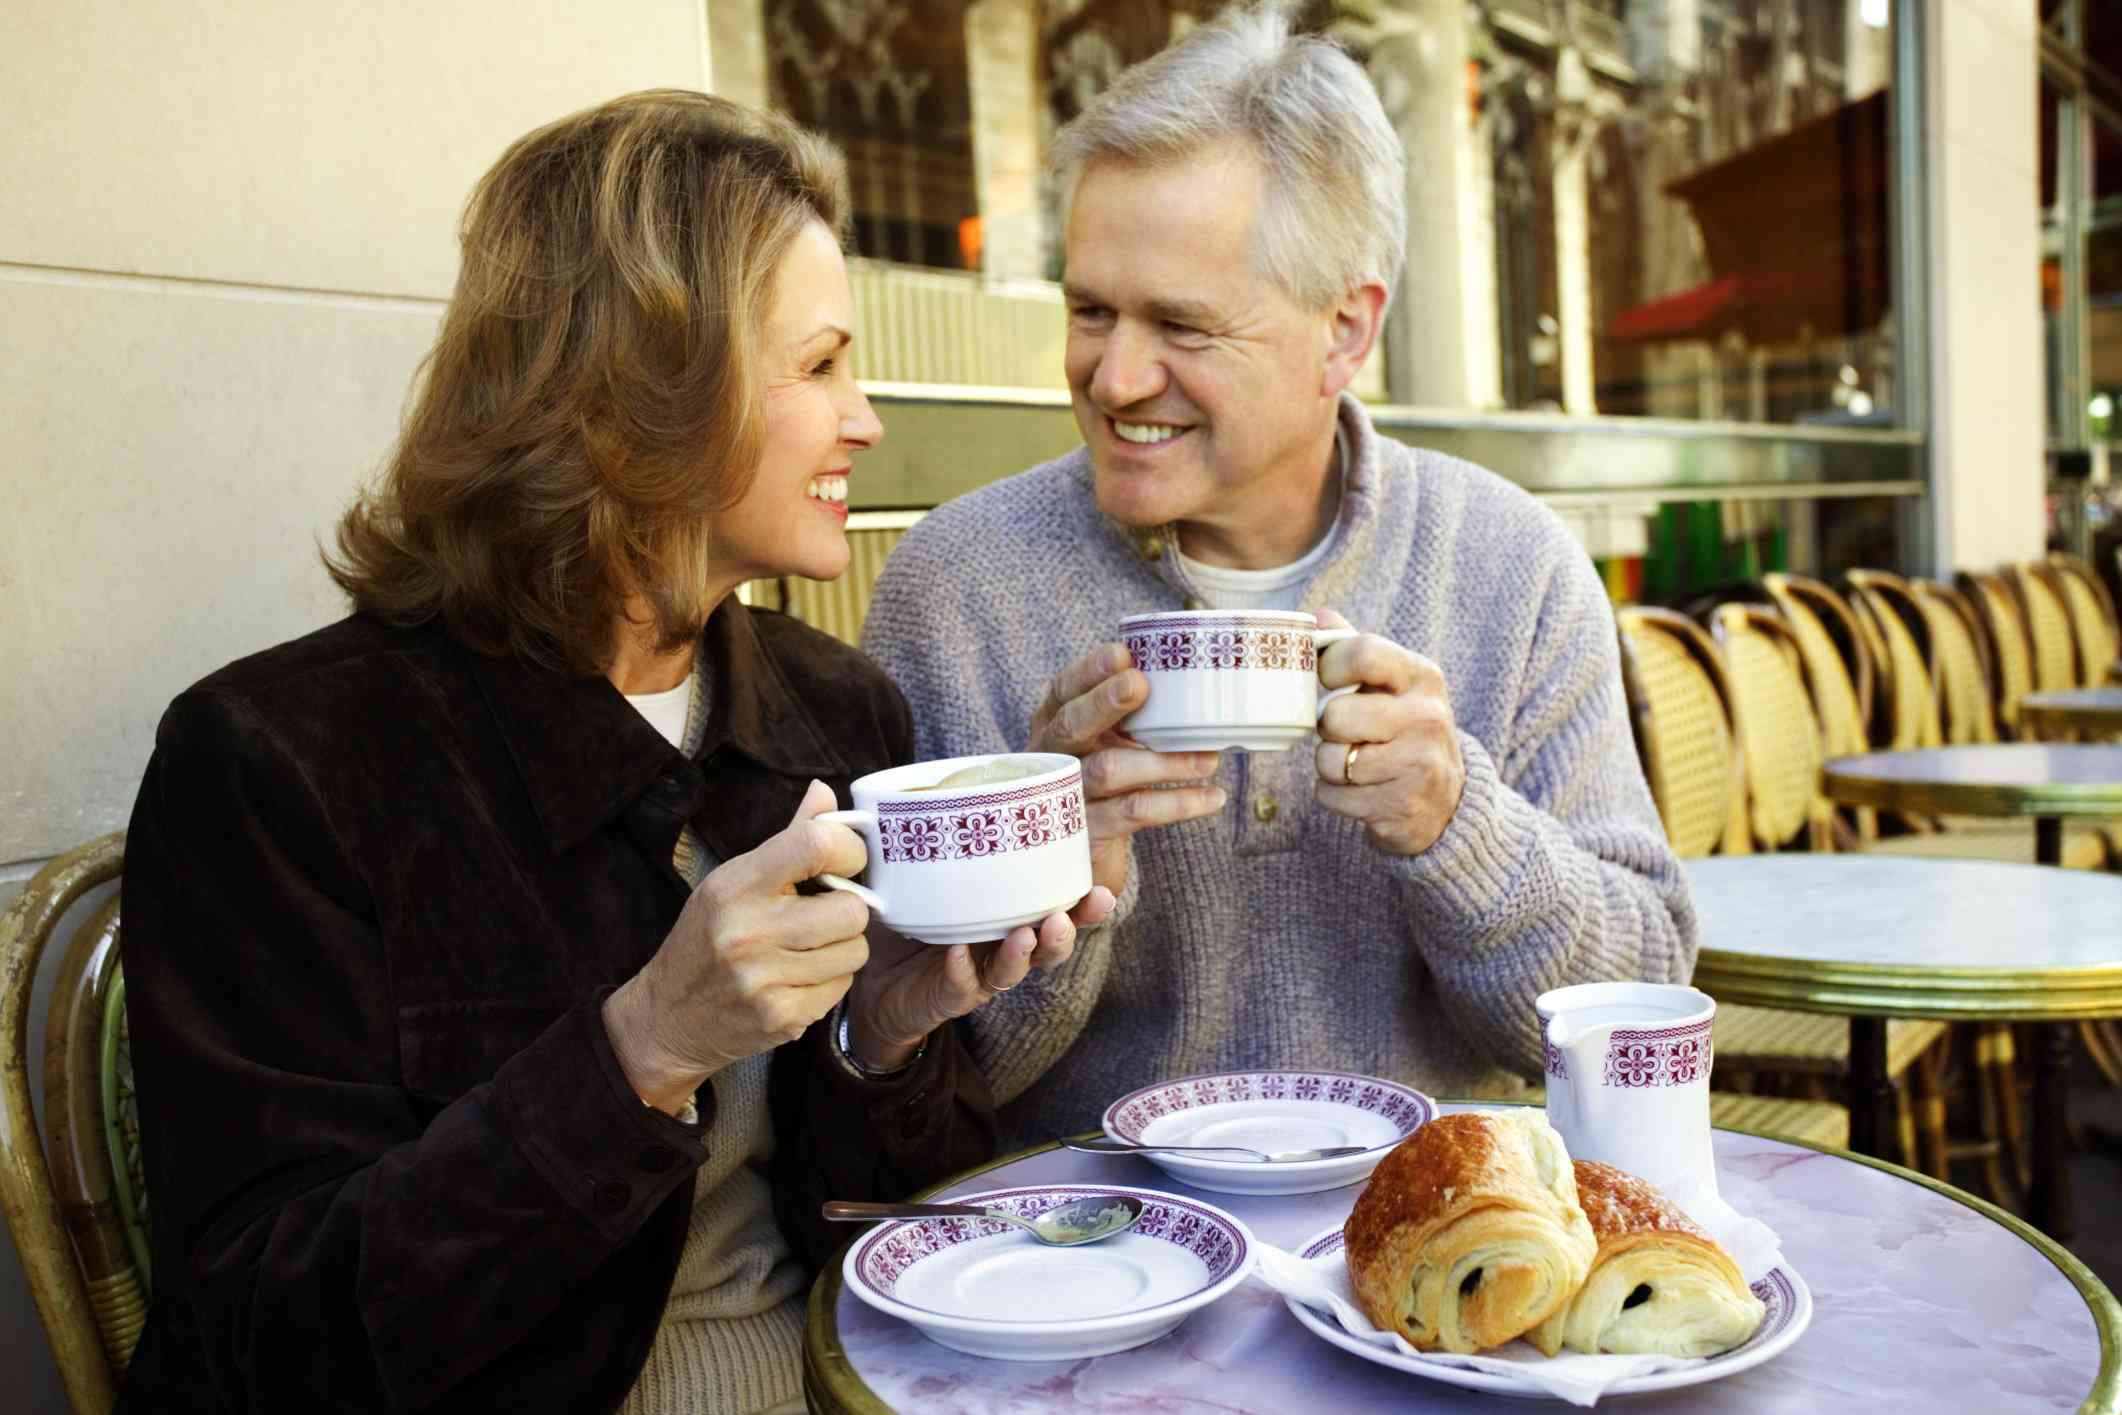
(1469,1233)
(1659,1284)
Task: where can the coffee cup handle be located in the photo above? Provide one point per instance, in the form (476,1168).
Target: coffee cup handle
(1320,639)
(863,823)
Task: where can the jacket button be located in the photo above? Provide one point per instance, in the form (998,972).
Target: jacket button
(1264,807)
(1153,547)
(1193,603)
(613,1196)
(656,1159)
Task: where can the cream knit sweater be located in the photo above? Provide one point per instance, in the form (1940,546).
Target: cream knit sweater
(1273,935)
(731,1338)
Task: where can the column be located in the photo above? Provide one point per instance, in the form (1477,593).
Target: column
(1439,346)
(736,42)
(1983,150)
(1001,56)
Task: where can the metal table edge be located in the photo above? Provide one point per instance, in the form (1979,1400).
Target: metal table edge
(831,1385)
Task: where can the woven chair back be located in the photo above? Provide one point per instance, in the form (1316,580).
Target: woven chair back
(1690,755)
(1957,664)
(1889,607)
(2011,669)
(57,1190)
(1837,702)
(2048,630)
(2092,617)
(1780,735)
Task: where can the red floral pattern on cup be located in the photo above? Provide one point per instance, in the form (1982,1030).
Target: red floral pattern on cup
(1173,645)
(973,827)
(1407,1110)
(1556,1066)
(1662,1056)
(888,1252)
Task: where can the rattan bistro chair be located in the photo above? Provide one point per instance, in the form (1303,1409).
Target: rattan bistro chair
(2092,618)
(1685,732)
(2011,666)
(1779,734)
(1839,678)
(75,1216)
(2048,628)
(1959,664)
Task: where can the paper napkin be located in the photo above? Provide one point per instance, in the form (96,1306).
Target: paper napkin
(1323,1285)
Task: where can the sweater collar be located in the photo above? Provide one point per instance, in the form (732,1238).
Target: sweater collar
(585,754)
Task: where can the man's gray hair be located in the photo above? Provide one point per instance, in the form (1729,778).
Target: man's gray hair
(1334,196)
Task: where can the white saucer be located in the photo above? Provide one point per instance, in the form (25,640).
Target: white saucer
(1270,1110)
(1221,737)
(991,1289)
(1790,1311)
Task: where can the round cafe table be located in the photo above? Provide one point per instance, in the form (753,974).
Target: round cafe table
(1924,1298)
(2083,712)
(2045,781)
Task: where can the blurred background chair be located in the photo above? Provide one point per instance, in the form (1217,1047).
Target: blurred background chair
(2092,618)
(78,1219)
(1838,671)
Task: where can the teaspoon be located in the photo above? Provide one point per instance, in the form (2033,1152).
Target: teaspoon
(1063,1226)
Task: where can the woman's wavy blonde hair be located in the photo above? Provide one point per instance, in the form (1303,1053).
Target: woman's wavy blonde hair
(595,393)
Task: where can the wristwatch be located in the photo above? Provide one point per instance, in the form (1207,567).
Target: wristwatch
(845,1050)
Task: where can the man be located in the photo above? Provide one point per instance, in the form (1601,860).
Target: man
(1472,828)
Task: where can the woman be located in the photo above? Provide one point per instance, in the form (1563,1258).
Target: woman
(489,1056)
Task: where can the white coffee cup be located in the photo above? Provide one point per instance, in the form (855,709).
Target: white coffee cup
(1228,678)
(1628,1080)
(969,863)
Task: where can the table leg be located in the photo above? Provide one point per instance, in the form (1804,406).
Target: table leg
(2048,840)
(1871,1090)
(2049,1201)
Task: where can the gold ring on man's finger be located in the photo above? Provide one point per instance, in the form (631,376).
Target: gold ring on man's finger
(1348,764)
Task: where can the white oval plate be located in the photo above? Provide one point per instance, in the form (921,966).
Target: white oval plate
(1270,1110)
(1790,1311)
(951,1277)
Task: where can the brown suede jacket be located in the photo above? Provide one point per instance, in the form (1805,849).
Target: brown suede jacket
(376,887)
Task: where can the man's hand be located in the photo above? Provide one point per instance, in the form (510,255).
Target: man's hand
(750,963)
(1407,775)
(909,989)
(1126,787)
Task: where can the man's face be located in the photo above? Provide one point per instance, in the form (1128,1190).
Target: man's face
(1199,385)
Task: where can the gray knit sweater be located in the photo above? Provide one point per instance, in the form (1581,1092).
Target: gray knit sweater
(1279,937)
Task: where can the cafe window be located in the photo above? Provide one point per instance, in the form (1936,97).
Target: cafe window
(1673,208)
(887,80)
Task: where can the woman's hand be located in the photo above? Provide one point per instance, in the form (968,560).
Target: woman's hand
(909,989)
(750,963)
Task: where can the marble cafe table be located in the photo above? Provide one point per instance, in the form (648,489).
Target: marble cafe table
(2091,713)
(2047,782)
(1925,1298)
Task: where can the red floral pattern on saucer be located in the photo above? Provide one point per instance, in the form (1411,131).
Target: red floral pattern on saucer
(1405,1108)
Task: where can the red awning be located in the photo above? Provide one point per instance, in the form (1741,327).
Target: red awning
(1795,229)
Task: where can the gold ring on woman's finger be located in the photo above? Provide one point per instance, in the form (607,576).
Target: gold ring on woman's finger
(1348,764)
(991,987)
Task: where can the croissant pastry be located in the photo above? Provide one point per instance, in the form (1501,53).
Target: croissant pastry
(1659,1284)
(1469,1233)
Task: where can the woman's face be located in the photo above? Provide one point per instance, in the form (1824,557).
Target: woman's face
(793,519)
